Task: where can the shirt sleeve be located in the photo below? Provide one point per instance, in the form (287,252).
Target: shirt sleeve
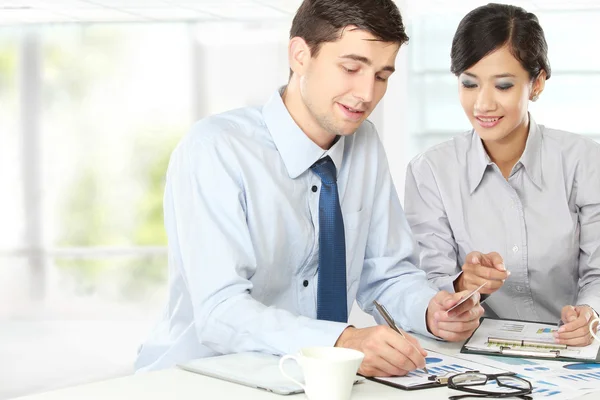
(389,274)
(588,202)
(426,214)
(208,234)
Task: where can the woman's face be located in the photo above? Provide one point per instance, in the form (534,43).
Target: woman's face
(495,93)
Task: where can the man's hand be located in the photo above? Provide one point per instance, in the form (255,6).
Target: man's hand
(480,268)
(457,324)
(386,352)
(575,331)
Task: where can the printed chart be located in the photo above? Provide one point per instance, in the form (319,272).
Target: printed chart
(440,367)
(549,379)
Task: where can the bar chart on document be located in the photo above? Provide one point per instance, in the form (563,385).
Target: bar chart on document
(441,367)
(581,372)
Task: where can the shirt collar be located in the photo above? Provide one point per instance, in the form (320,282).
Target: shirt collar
(532,156)
(478,159)
(297,151)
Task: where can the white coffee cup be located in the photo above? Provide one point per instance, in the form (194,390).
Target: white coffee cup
(594,328)
(329,372)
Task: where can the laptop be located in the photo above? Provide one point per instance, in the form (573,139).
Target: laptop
(257,370)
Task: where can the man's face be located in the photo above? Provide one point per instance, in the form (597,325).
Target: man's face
(341,86)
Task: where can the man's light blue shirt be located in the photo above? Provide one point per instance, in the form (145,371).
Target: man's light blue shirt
(242,217)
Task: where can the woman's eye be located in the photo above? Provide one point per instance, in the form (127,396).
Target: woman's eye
(469,85)
(504,87)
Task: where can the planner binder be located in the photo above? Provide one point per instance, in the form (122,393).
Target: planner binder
(525,339)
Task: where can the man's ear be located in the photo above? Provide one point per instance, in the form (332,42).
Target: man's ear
(298,55)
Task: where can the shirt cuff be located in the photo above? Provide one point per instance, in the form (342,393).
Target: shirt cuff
(590,298)
(420,324)
(317,333)
(593,309)
(446,282)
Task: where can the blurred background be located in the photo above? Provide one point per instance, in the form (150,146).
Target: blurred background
(94,95)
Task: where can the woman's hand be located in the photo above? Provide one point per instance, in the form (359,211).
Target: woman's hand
(480,268)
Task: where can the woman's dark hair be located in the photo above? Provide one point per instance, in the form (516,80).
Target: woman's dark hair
(319,21)
(489,27)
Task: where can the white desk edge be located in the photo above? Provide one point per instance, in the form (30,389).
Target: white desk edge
(178,384)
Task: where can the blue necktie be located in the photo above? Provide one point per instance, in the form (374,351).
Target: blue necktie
(331,292)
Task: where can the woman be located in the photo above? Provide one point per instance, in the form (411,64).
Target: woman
(512,204)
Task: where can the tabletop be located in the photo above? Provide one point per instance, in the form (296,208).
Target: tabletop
(175,383)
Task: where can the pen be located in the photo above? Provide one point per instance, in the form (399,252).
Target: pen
(392,325)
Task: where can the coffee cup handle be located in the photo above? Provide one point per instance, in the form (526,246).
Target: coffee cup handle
(283,359)
(593,331)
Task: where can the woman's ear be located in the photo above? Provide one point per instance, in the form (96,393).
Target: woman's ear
(538,86)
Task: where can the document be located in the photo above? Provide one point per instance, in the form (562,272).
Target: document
(549,379)
(525,339)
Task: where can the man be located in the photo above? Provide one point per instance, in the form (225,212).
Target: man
(280,217)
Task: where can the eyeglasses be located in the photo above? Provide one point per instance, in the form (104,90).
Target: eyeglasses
(476,383)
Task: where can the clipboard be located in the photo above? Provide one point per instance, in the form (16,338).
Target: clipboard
(525,339)
(433,384)
(441,367)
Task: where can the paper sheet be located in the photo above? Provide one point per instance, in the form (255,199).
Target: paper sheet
(552,380)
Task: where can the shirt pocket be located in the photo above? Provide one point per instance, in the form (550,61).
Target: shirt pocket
(353,219)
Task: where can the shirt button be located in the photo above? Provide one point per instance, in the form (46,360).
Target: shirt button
(305,283)
(515,248)
(519,289)
(314,189)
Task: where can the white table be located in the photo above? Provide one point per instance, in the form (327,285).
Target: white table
(178,384)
